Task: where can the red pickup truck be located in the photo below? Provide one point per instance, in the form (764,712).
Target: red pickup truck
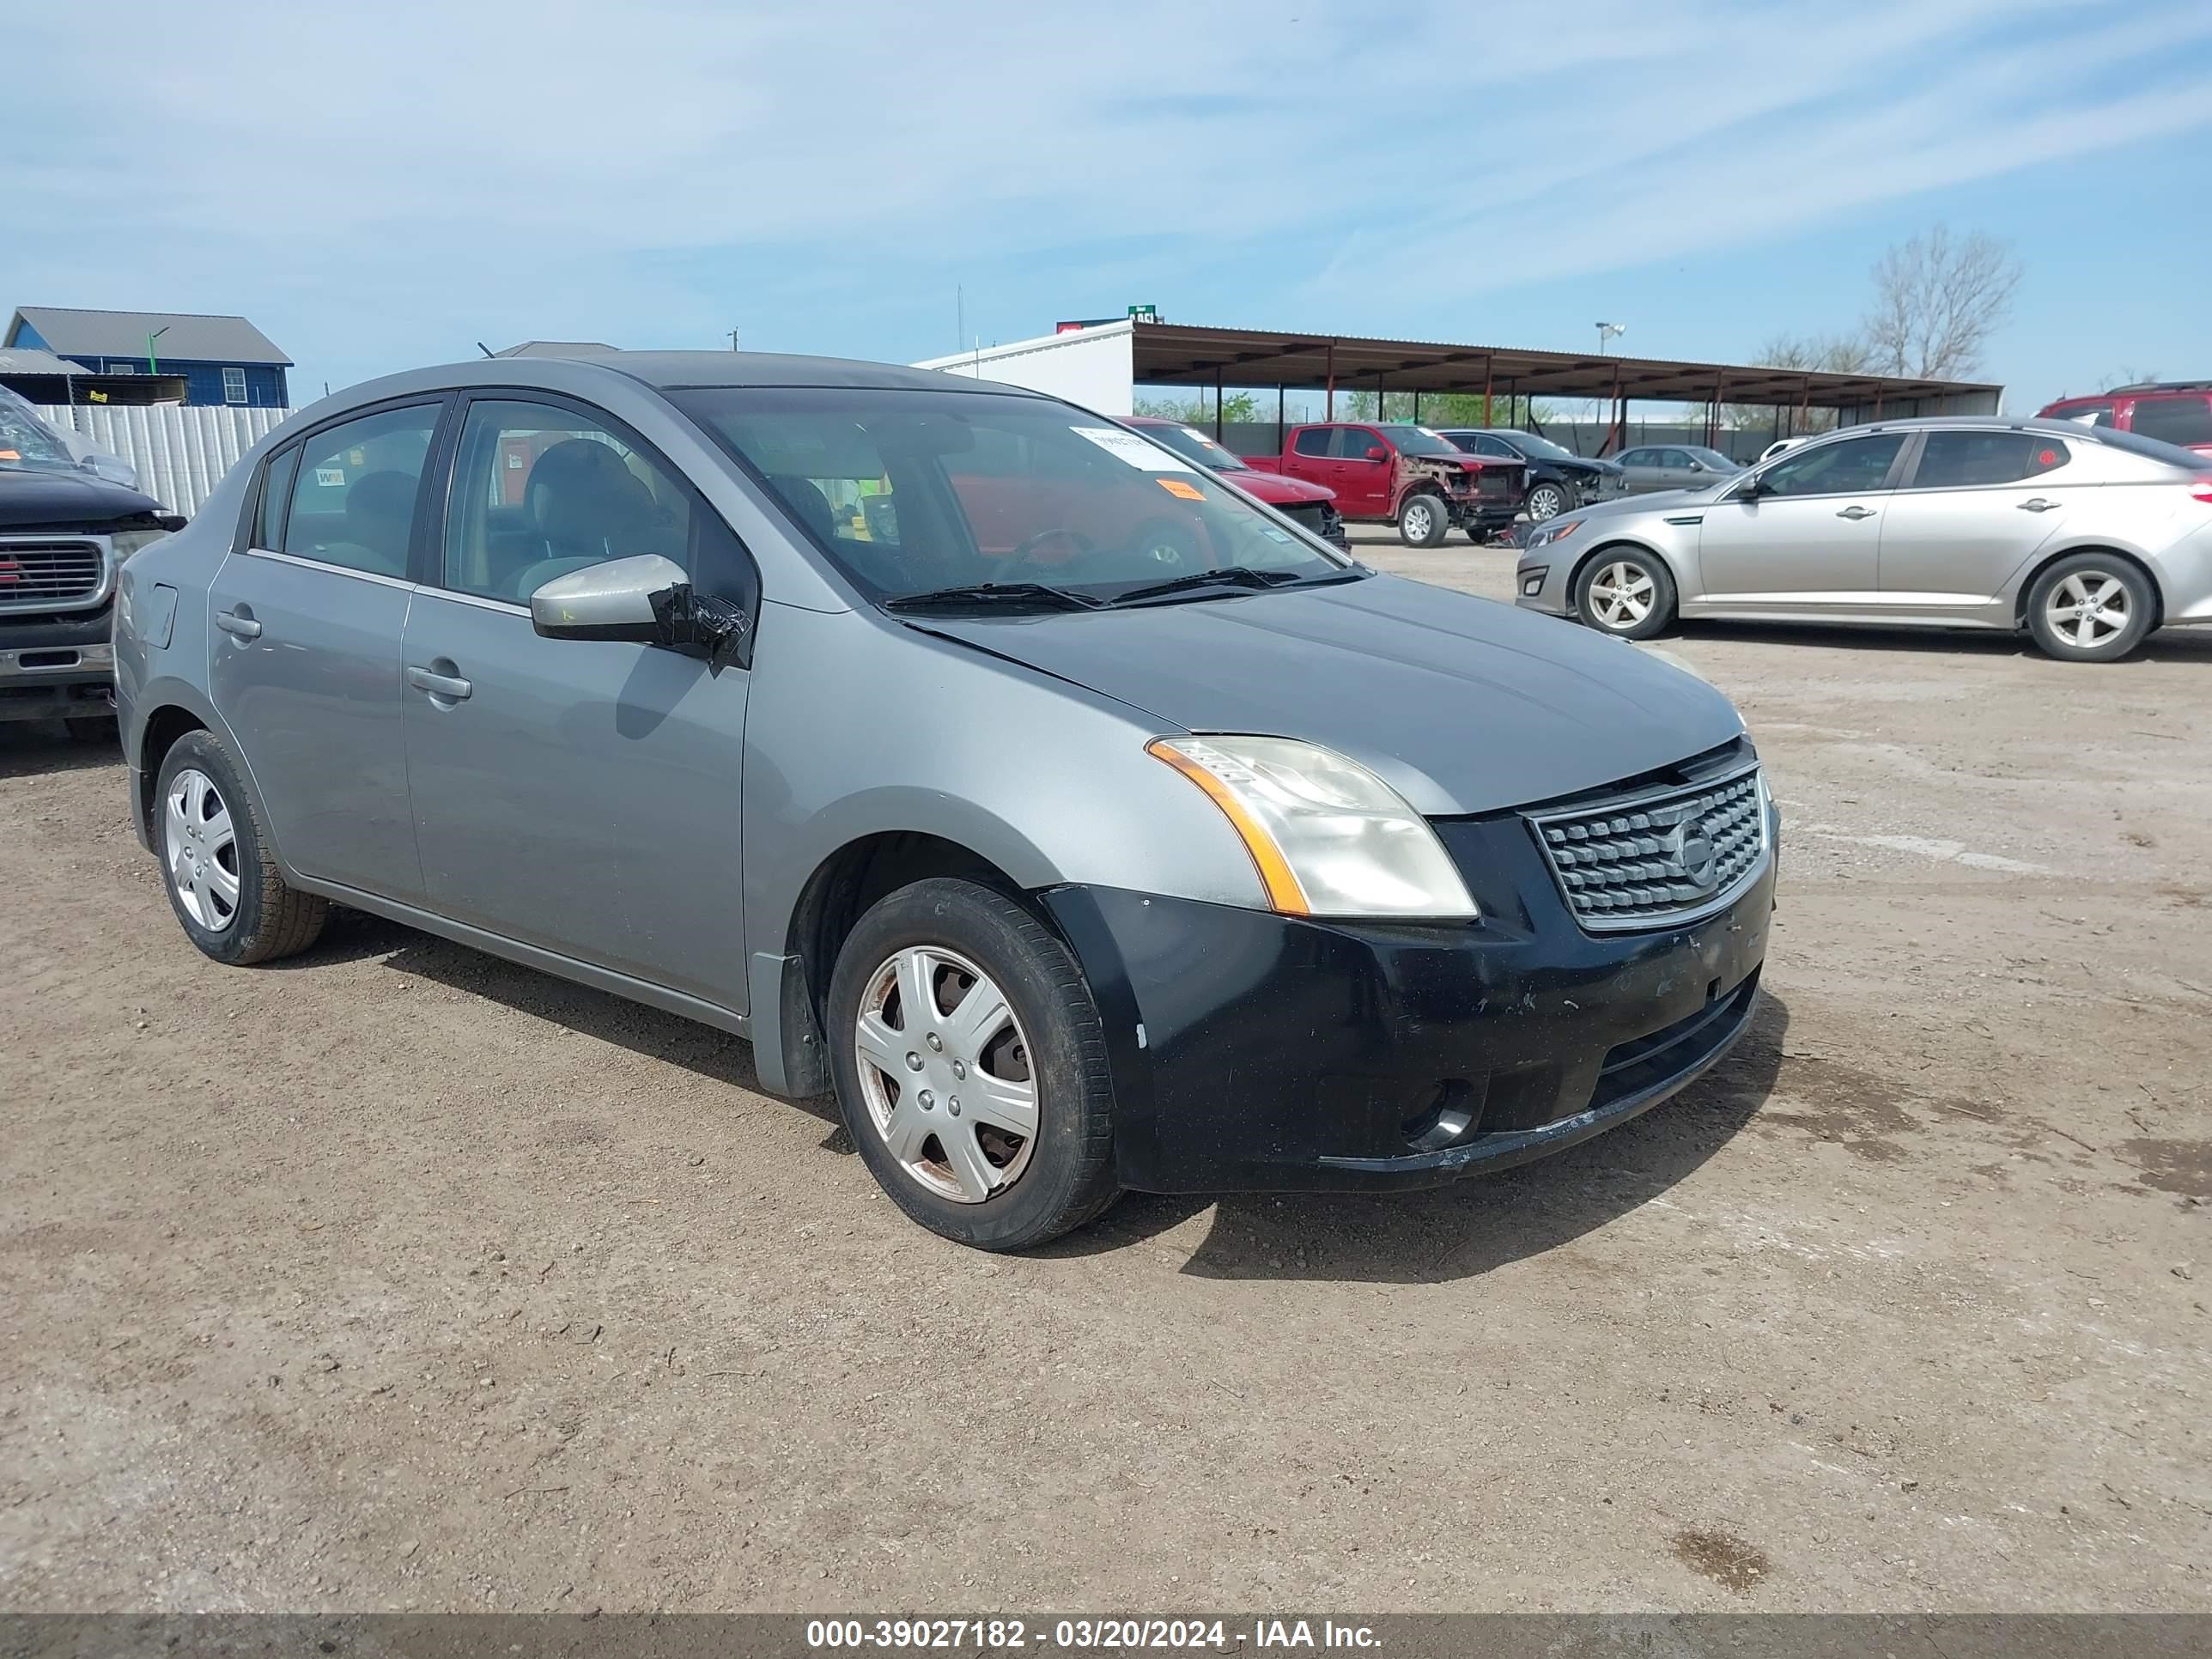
(1386,472)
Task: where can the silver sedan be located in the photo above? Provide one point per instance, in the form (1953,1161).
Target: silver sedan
(2087,539)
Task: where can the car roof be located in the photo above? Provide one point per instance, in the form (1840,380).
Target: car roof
(662,370)
(2042,426)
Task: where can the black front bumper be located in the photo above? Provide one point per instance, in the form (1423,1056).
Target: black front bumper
(1483,512)
(1259,1052)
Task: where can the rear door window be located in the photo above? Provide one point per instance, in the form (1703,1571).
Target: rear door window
(1966,460)
(2185,421)
(1314,441)
(353,502)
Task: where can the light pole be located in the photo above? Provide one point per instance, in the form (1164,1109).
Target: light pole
(152,367)
(1606,331)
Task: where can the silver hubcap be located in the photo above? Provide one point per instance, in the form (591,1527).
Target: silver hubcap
(1417,523)
(945,1071)
(1544,503)
(201,850)
(1621,594)
(2087,608)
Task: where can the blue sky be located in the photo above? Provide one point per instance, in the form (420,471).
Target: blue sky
(382,186)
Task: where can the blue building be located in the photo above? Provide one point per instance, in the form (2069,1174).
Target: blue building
(222,360)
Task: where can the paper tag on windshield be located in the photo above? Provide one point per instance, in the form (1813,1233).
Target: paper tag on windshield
(1144,456)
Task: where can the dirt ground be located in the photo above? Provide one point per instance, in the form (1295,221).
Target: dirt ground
(395,1277)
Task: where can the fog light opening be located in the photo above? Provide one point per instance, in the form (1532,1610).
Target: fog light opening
(1446,1122)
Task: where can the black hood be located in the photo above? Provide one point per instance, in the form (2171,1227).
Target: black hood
(32,498)
(1463,704)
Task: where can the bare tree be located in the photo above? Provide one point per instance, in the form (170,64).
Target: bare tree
(2127,377)
(1937,300)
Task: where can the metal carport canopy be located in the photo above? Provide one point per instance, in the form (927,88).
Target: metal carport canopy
(1180,354)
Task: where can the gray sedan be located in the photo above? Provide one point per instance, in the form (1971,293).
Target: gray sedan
(2087,539)
(1672,466)
(1077,821)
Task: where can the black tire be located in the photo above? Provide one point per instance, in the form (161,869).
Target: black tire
(2094,573)
(1650,567)
(1423,521)
(1546,500)
(1069,1176)
(271,918)
(93,728)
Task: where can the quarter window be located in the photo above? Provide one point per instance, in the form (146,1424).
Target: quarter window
(353,502)
(233,386)
(1962,461)
(540,490)
(2183,421)
(1849,466)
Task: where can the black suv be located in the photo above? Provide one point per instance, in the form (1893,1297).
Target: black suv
(1558,479)
(64,531)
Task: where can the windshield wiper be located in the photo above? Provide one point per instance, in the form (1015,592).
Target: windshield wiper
(1030,593)
(1237,575)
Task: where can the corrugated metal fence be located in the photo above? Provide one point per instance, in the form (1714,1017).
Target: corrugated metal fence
(181,453)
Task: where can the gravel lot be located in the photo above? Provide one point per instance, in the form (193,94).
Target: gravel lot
(398,1278)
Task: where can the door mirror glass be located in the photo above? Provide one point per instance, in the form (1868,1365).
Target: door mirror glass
(617,599)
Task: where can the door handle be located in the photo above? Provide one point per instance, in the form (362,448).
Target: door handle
(1856,513)
(450,686)
(2038,504)
(239,623)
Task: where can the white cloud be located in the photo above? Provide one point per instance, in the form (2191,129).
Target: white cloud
(380,184)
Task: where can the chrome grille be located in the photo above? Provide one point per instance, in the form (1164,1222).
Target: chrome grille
(46,575)
(1659,856)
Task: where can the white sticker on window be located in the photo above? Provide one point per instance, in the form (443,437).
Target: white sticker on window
(331,477)
(1143,455)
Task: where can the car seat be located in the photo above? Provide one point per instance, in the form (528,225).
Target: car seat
(585,506)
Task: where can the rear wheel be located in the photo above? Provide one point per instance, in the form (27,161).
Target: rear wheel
(225,887)
(1546,500)
(970,1064)
(1626,592)
(2091,607)
(1423,521)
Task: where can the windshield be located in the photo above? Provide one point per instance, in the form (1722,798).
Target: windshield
(913,492)
(1193,445)
(2153,449)
(25,439)
(1542,448)
(1419,441)
(1713,457)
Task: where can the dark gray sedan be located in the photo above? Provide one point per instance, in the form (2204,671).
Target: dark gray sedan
(1080,821)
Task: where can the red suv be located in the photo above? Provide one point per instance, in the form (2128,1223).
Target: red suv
(2171,411)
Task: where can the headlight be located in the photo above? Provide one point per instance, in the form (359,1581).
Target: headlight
(1329,838)
(128,542)
(1559,529)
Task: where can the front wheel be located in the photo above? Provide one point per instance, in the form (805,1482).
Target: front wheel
(1626,592)
(970,1064)
(2090,608)
(1423,521)
(1546,500)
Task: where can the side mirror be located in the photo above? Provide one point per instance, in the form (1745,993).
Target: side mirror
(645,600)
(1697,466)
(1376,452)
(1750,490)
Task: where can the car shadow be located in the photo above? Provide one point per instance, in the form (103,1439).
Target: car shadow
(703,1050)
(1466,1229)
(2169,644)
(1427,1237)
(29,747)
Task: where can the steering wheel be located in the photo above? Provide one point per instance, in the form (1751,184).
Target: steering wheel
(1026,552)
